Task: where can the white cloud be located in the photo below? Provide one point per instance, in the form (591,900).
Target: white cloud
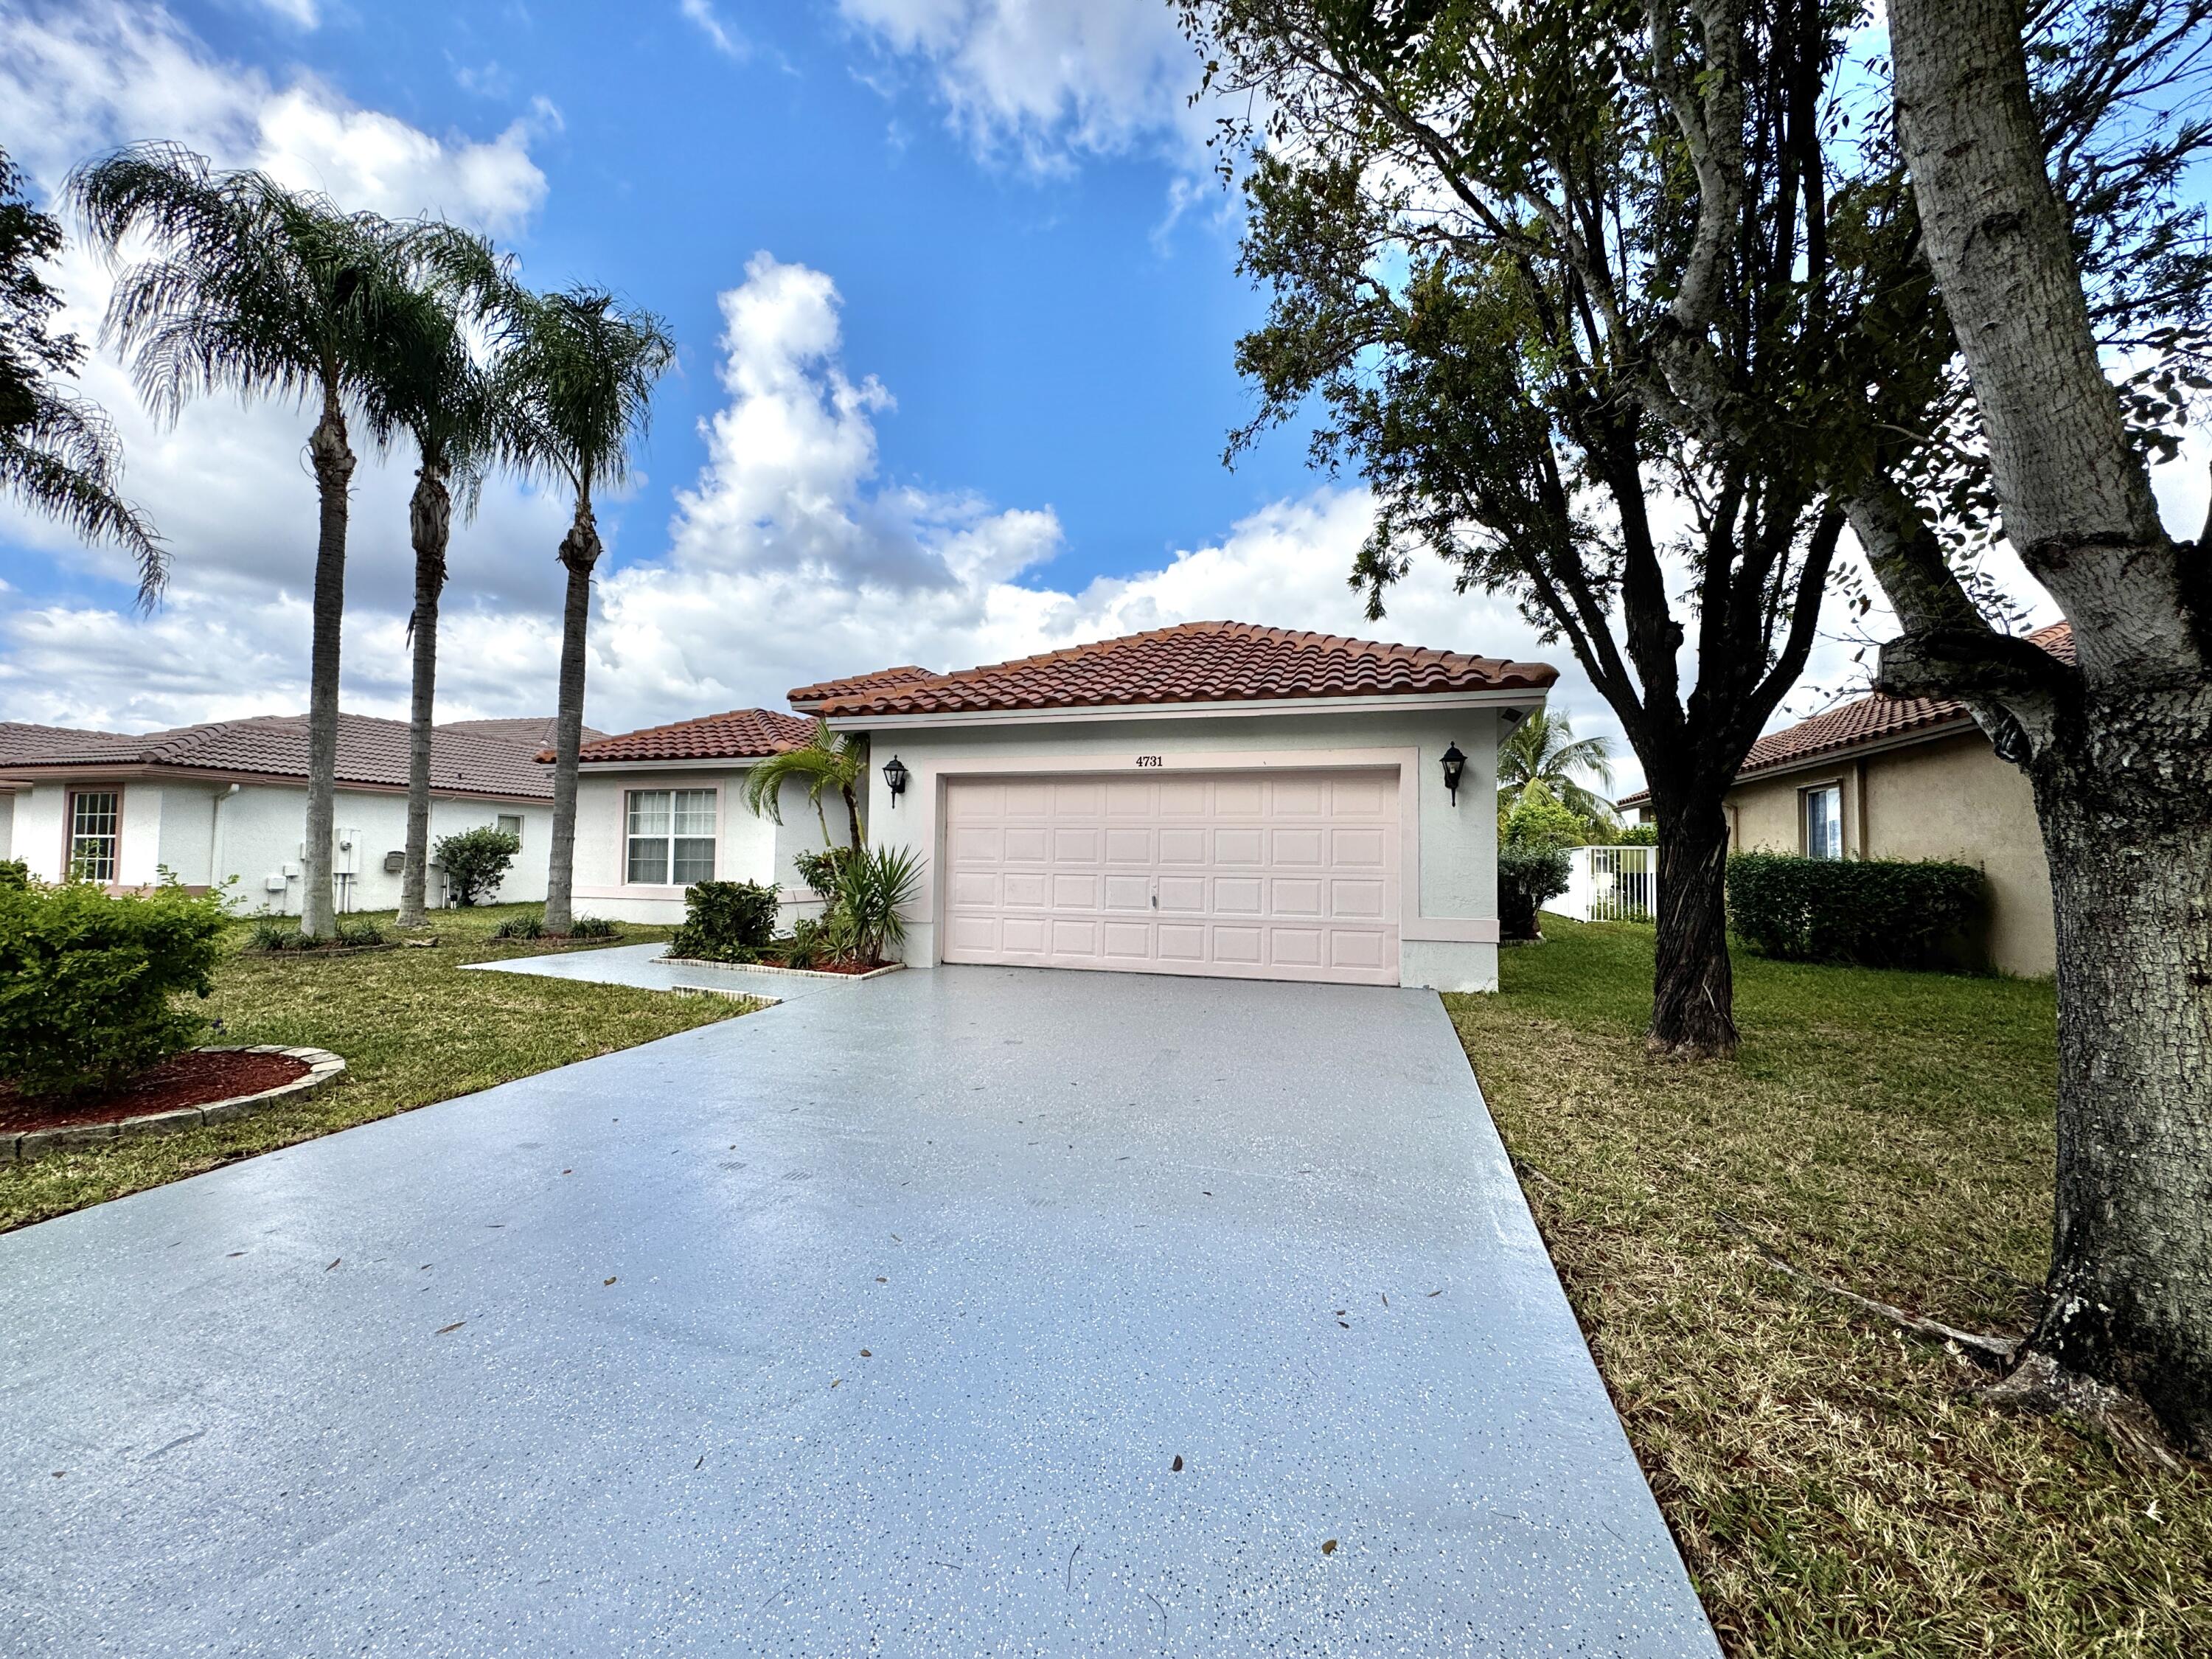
(301,13)
(726,40)
(1047,78)
(228,487)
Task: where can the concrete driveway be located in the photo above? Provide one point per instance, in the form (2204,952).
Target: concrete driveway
(870,1324)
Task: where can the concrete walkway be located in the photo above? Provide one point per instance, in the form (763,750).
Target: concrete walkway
(646,968)
(872,1322)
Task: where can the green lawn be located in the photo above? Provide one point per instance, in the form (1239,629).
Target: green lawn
(411,1027)
(1834,1487)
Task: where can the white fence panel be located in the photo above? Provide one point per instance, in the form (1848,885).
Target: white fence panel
(1610,883)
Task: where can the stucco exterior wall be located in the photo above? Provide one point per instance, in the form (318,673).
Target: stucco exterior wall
(1950,797)
(204,833)
(746,848)
(6,823)
(1449,937)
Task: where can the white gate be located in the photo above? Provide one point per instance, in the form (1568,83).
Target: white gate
(1610,883)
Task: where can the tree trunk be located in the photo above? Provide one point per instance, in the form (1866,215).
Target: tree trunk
(333,462)
(2118,751)
(853,824)
(1692,983)
(2129,1302)
(430,523)
(580,552)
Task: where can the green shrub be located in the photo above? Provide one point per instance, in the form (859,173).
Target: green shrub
(726,921)
(822,871)
(1527,876)
(359,933)
(1639,835)
(593,927)
(1540,819)
(14,873)
(1881,913)
(474,861)
(88,984)
(272,934)
(530,925)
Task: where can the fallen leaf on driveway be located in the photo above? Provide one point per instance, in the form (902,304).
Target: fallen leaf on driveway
(455,1325)
(839,1380)
(1175,1468)
(334,1262)
(1328,1546)
(864,1354)
(1435,1293)
(880,1279)
(608,1281)
(1386,1298)
(238,1253)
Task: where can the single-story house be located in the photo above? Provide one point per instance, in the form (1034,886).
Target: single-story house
(661,808)
(1211,798)
(1905,778)
(226,800)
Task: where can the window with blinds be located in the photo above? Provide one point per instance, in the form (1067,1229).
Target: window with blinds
(671,837)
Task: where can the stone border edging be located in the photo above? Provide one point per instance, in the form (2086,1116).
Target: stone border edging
(770,968)
(323,1069)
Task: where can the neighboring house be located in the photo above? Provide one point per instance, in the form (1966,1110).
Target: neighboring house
(226,800)
(1214,799)
(19,742)
(661,808)
(1905,778)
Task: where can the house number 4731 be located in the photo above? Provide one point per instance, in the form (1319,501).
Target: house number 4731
(1148,759)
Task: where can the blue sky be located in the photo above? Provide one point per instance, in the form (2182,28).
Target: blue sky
(956,296)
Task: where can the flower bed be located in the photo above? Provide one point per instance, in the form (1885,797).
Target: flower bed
(198,1086)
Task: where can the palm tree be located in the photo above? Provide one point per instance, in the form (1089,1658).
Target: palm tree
(578,371)
(1544,751)
(260,291)
(58,454)
(434,389)
(823,763)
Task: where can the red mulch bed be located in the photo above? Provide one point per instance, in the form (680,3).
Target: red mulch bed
(191,1078)
(827,967)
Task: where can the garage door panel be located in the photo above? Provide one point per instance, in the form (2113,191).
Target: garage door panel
(1129,892)
(1181,895)
(1263,875)
(1128,845)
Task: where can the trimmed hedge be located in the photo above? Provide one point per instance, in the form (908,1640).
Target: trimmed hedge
(1527,876)
(726,921)
(1881,913)
(88,983)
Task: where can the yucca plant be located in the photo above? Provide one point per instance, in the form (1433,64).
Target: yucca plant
(865,921)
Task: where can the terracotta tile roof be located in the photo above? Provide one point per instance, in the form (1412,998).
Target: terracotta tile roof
(741,734)
(536,729)
(1867,720)
(462,761)
(853,684)
(20,742)
(1197,662)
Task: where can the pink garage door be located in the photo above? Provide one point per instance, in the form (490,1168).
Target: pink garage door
(1259,875)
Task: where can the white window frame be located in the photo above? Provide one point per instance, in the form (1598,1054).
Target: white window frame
(1809,801)
(674,802)
(111,838)
(515,818)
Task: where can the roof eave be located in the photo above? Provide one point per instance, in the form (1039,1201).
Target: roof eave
(1223,707)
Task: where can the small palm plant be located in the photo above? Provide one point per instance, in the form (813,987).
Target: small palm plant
(260,291)
(58,454)
(866,922)
(825,762)
(575,374)
(1543,750)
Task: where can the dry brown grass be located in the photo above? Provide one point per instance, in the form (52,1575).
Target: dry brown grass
(1835,1486)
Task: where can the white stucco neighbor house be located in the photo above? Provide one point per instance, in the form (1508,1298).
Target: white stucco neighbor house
(1211,799)
(228,800)
(661,808)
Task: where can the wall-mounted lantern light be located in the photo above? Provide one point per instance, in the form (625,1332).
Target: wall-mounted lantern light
(895,775)
(1454,769)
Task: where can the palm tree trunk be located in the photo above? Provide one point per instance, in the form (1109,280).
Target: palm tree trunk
(852,818)
(430,523)
(579,551)
(333,461)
